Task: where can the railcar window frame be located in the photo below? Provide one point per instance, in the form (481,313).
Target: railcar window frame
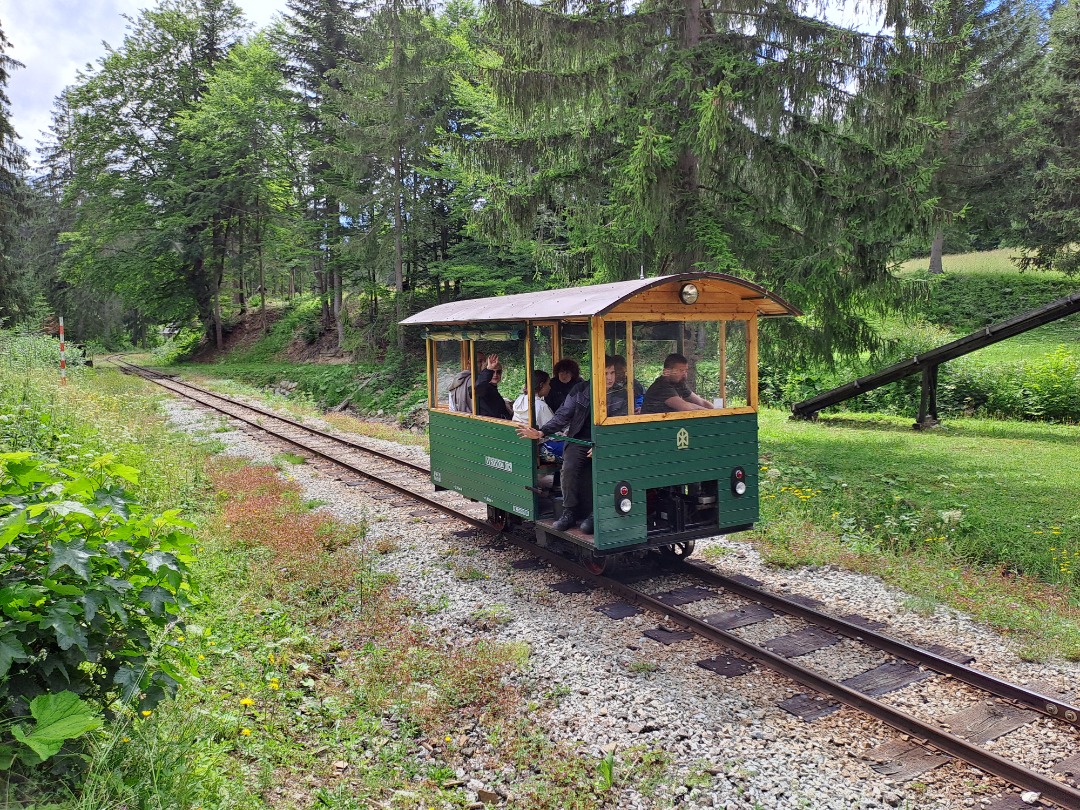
(599,324)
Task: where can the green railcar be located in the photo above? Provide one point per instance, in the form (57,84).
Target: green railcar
(661,476)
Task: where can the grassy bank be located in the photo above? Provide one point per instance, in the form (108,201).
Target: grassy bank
(978,514)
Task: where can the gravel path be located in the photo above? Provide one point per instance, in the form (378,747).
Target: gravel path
(614,689)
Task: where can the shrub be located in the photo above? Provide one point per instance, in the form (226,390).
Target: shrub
(89,585)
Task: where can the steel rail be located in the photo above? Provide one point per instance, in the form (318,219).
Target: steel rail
(991,763)
(288,420)
(1052,707)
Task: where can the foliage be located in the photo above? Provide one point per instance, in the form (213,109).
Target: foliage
(179,347)
(965,302)
(1053,216)
(56,719)
(624,136)
(88,584)
(14,295)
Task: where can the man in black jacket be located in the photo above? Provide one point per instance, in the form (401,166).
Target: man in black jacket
(574,420)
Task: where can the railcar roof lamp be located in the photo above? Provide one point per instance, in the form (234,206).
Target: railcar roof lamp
(688,294)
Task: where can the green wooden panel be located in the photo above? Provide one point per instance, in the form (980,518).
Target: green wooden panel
(485,461)
(652,454)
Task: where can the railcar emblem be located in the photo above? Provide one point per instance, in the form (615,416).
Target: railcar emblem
(682,439)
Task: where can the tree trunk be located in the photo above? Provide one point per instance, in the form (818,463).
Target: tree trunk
(399,279)
(339,310)
(935,253)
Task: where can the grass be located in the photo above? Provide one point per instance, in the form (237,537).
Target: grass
(978,514)
(983,261)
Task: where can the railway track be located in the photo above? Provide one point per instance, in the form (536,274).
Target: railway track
(1002,707)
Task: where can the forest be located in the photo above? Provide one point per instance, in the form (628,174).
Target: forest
(383,155)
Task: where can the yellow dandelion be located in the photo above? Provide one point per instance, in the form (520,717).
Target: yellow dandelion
(179,638)
(245,732)
(275,685)
(202,657)
(247,702)
(126,739)
(146,712)
(270,658)
(448,738)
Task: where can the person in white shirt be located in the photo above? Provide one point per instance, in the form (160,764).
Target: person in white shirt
(541,384)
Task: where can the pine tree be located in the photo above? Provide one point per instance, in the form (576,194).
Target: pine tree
(981,179)
(315,42)
(13,298)
(1050,233)
(392,110)
(739,137)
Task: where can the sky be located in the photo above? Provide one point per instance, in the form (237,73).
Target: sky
(56,38)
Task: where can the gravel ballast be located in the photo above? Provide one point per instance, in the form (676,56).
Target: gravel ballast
(612,689)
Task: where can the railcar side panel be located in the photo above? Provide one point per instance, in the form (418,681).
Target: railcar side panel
(671,453)
(483,460)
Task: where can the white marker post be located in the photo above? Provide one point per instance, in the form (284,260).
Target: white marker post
(63,355)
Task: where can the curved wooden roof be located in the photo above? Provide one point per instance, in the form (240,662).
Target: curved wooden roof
(596,299)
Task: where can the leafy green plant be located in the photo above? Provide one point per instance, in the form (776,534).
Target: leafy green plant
(89,585)
(605,772)
(56,718)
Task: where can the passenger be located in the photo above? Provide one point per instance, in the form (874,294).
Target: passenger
(564,377)
(574,419)
(489,402)
(541,385)
(460,390)
(620,386)
(670,392)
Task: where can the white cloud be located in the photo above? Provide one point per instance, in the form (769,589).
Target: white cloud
(54,39)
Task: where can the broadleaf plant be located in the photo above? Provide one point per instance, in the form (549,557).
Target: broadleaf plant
(90,588)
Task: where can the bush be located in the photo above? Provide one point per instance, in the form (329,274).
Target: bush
(89,585)
(179,347)
(966,302)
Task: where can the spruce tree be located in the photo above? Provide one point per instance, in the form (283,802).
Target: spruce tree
(13,298)
(1050,232)
(315,41)
(740,137)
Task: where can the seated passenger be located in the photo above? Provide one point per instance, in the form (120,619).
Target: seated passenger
(616,397)
(459,393)
(541,384)
(564,377)
(670,392)
(620,388)
(489,402)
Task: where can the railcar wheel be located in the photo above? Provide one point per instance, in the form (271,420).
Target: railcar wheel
(678,551)
(595,563)
(497,519)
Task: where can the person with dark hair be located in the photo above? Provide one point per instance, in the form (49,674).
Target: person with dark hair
(541,384)
(564,377)
(671,392)
(574,419)
(620,390)
(489,402)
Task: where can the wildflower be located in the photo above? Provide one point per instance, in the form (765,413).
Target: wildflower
(179,638)
(245,732)
(247,702)
(146,712)
(126,739)
(448,738)
(275,685)
(202,657)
